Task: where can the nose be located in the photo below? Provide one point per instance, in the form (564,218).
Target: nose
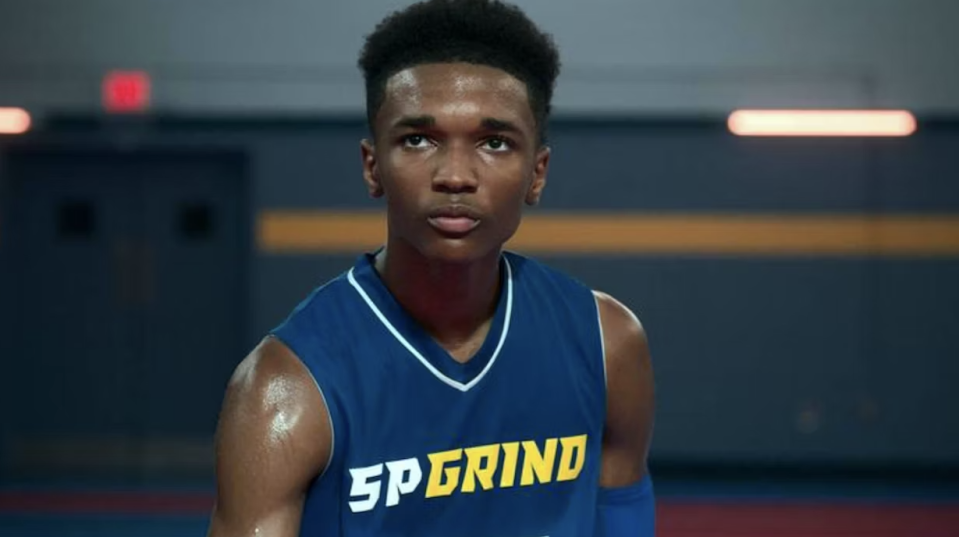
(455,172)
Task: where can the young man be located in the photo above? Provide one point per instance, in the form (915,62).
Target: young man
(443,387)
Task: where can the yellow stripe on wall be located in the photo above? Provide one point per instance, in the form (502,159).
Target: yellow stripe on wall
(288,232)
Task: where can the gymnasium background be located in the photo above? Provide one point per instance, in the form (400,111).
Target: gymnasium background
(192,170)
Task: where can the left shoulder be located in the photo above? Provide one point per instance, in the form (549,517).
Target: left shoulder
(624,337)
(630,397)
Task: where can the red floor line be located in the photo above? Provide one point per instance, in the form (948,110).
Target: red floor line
(674,518)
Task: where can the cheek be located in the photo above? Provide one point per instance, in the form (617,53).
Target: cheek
(510,198)
(403,174)
(515,183)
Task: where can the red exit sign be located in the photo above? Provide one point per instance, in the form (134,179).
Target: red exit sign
(126,91)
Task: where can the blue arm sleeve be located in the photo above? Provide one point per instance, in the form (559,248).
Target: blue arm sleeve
(627,511)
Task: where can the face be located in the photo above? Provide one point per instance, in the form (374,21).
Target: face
(456,155)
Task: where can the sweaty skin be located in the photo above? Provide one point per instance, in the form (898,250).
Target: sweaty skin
(448,137)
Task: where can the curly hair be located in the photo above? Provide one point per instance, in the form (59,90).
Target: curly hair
(482,32)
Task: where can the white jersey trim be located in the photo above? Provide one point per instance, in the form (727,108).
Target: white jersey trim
(437,373)
(329,412)
(602,339)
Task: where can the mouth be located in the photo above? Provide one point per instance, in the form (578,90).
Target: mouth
(454,220)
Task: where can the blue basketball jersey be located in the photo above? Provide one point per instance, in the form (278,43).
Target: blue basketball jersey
(504,445)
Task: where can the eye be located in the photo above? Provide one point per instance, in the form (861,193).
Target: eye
(415,141)
(498,143)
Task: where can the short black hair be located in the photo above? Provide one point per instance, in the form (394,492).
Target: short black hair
(482,32)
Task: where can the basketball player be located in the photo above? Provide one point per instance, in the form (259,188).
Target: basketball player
(444,387)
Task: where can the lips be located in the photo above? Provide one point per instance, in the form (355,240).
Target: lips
(454,220)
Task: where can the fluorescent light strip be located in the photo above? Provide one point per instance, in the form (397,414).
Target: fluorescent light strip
(14,121)
(822,123)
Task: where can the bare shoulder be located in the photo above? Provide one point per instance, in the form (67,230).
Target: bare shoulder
(271,380)
(630,399)
(273,438)
(624,337)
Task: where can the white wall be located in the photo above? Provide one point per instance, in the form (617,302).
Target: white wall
(688,56)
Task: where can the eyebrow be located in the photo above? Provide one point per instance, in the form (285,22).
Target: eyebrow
(494,124)
(427,121)
(415,122)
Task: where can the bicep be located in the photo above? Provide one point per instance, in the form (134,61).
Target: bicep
(630,395)
(272,439)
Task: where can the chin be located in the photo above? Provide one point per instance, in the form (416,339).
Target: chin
(456,251)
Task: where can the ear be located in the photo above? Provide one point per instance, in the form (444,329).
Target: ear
(370,172)
(539,177)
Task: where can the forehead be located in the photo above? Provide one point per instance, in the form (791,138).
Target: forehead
(456,90)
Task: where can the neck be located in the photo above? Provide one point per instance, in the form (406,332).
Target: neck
(454,302)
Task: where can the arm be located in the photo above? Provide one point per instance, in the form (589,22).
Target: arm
(626,504)
(272,439)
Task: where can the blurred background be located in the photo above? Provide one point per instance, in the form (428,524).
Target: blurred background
(190,170)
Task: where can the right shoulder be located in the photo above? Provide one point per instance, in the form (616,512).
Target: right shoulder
(273,439)
(270,375)
(272,405)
